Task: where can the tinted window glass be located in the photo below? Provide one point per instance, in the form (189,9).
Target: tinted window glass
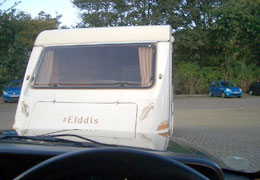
(15,84)
(97,66)
(213,85)
(228,84)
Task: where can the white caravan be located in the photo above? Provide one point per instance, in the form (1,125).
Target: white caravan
(113,85)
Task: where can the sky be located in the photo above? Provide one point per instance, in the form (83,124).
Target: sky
(33,7)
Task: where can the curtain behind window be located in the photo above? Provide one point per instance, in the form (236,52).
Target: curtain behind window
(46,68)
(145,61)
(55,70)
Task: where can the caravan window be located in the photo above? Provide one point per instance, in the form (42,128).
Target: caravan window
(119,66)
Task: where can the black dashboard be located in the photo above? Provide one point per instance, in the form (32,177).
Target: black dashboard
(17,158)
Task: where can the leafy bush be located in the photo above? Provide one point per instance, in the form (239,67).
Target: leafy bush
(190,78)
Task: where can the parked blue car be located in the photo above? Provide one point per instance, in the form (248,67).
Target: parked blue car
(224,89)
(12,91)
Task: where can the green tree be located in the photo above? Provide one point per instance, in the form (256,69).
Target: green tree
(17,34)
(192,36)
(96,13)
(236,32)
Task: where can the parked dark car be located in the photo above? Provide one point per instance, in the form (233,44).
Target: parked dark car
(224,89)
(12,91)
(254,89)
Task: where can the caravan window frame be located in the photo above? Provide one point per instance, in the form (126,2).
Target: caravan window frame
(101,86)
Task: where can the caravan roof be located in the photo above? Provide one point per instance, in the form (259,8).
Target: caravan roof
(104,35)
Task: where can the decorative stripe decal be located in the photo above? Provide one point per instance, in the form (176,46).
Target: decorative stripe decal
(163,125)
(164,134)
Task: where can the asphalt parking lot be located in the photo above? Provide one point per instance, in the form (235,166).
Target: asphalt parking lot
(7,114)
(227,128)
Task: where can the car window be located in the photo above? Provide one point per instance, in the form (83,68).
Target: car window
(228,84)
(15,84)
